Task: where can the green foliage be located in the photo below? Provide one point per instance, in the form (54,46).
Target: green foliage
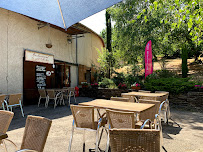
(173,85)
(107,83)
(162,74)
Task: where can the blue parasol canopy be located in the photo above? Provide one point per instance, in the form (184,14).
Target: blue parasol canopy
(62,13)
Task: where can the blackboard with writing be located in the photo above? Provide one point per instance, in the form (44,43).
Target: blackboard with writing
(40,76)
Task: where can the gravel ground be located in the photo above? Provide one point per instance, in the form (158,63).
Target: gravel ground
(187,137)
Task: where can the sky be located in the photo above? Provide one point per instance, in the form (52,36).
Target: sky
(96,22)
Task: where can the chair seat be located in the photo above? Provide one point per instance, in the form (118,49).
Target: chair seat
(140,123)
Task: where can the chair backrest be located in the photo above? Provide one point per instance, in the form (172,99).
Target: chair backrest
(134,140)
(163,98)
(144,91)
(120,119)
(131,98)
(148,98)
(120,99)
(51,93)
(42,93)
(36,132)
(2,98)
(83,116)
(14,99)
(151,113)
(5,120)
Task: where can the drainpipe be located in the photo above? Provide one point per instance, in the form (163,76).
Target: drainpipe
(76,51)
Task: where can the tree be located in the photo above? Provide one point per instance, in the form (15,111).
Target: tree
(171,25)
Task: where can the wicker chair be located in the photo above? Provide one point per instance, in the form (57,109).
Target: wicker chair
(71,94)
(147,98)
(51,94)
(131,98)
(144,91)
(14,100)
(35,134)
(5,120)
(135,140)
(42,93)
(2,101)
(120,119)
(83,118)
(120,99)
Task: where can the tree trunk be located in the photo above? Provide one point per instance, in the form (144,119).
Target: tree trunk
(184,63)
(108,41)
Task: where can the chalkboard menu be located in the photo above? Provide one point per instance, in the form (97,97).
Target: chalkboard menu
(40,76)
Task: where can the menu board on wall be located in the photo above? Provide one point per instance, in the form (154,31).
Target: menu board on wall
(40,76)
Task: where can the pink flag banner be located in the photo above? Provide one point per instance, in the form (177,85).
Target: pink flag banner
(148,59)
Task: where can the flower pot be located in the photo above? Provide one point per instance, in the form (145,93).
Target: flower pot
(135,87)
(84,86)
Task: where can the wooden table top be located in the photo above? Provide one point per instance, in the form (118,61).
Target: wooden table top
(145,94)
(3,136)
(118,105)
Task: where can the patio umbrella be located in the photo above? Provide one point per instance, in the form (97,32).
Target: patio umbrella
(62,13)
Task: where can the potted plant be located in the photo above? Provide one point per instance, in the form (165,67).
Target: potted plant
(84,84)
(136,86)
(199,88)
(122,86)
(94,85)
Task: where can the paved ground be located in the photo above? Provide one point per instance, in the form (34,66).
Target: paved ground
(186,138)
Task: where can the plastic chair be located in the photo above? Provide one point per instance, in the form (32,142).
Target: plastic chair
(2,101)
(5,120)
(43,95)
(71,94)
(35,134)
(14,100)
(135,140)
(51,94)
(83,119)
(144,91)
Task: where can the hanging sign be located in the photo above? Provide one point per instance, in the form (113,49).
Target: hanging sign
(38,57)
(148,59)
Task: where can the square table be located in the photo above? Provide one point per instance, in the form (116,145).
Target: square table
(137,108)
(3,136)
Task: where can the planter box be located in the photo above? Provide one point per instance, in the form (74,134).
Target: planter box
(135,88)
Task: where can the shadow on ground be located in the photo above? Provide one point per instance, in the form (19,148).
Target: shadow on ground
(49,112)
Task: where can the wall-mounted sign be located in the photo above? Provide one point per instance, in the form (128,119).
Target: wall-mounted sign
(38,57)
(40,76)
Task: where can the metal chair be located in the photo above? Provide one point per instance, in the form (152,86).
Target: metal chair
(35,134)
(71,94)
(2,101)
(14,100)
(42,93)
(5,120)
(135,140)
(51,94)
(83,119)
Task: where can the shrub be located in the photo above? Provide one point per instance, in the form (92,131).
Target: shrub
(172,85)
(162,74)
(107,83)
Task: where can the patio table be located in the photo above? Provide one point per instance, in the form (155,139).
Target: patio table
(137,108)
(159,95)
(3,136)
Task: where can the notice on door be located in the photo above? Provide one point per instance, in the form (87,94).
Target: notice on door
(40,76)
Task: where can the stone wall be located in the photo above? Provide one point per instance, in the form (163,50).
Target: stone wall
(103,93)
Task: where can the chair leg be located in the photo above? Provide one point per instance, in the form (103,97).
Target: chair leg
(21,109)
(39,101)
(71,138)
(55,103)
(69,98)
(74,97)
(47,102)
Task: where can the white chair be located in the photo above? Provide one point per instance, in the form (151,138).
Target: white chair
(43,95)
(51,94)
(71,93)
(14,100)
